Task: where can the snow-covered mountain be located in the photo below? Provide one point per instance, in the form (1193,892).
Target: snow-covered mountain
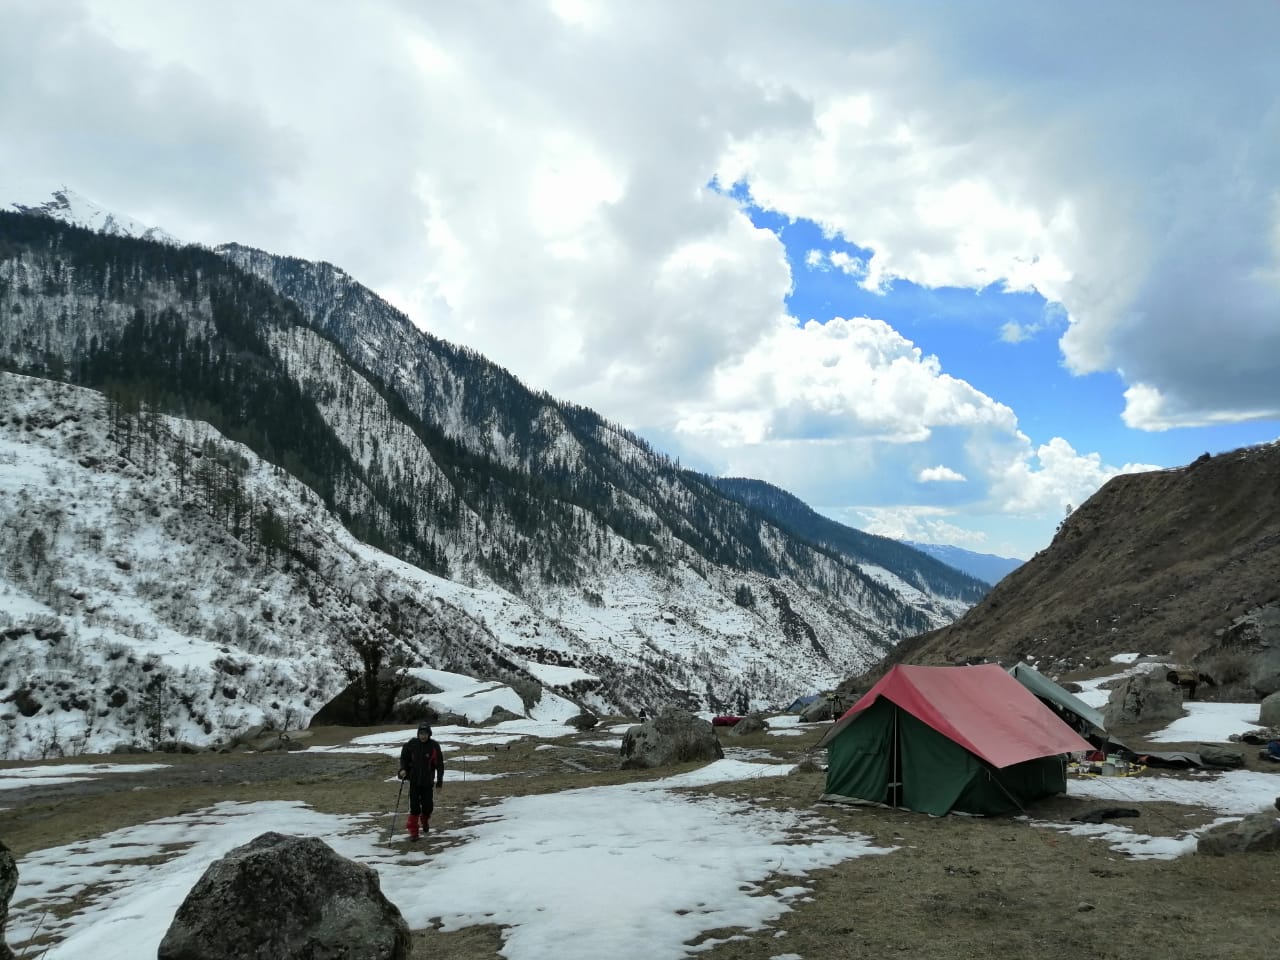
(265,478)
(987,567)
(70,207)
(130,612)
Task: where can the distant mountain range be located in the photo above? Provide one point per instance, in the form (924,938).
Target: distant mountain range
(246,480)
(984,566)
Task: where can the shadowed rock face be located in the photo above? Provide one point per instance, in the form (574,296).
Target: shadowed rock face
(674,736)
(278,897)
(8,884)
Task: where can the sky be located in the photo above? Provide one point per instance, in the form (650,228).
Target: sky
(939,270)
(693,863)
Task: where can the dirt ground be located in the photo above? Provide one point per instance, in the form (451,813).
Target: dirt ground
(956,888)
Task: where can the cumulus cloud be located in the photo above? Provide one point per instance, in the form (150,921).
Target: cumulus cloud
(940,474)
(838,260)
(1051,478)
(532,180)
(844,379)
(1017,485)
(1053,317)
(918,524)
(1138,192)
(1014,332)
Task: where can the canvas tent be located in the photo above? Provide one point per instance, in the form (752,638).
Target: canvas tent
(1077,714)
(799,703)
(943,739)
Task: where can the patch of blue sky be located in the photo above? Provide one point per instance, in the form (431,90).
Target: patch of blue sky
(1002,342)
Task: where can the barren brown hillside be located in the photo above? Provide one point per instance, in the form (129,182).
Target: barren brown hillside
(1182,562)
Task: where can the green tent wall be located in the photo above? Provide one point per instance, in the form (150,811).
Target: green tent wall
(937,775)
(1001,749)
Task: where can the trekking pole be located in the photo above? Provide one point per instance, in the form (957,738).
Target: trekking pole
(392,829)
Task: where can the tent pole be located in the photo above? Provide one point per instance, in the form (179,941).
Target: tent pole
(896,780)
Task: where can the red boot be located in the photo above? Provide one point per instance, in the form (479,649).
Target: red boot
(425,821)
(412,825)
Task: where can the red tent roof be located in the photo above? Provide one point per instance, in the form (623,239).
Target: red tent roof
(982,708)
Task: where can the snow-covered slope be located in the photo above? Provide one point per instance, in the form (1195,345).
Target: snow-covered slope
(391,496)
(136,607)
(70,207)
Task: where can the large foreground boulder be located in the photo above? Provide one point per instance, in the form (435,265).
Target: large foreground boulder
(8,884)
(1145,698)
(673,736)
(1256,832)
(277,898)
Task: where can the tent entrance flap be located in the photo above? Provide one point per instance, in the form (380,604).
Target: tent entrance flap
(861,767)
(887,756)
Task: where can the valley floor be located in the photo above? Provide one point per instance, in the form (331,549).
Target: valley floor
(541,848)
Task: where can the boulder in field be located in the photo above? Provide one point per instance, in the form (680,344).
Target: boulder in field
(1256,832)
(1141,699)
(673,736)
(748,725)
(279,897)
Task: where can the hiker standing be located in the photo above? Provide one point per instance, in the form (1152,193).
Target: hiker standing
(421,762)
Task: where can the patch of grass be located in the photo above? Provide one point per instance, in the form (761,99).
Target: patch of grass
(470,943)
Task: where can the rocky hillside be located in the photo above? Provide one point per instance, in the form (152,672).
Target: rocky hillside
(1183,562)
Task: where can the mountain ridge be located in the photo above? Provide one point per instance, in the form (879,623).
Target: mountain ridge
(74,209)
(607,556)
(987,567)
(1182,563)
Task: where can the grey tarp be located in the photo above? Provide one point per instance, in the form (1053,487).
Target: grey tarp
(1046,689)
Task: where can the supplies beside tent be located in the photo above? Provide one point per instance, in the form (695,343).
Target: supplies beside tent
(942,739)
